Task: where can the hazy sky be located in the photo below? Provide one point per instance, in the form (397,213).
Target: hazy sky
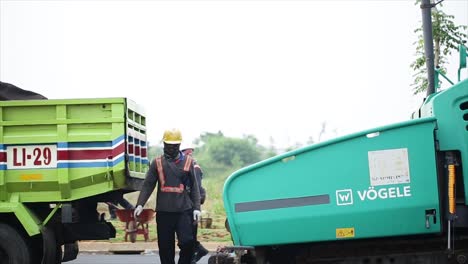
(273,69)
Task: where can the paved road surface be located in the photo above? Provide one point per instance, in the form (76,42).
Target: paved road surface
(122,259)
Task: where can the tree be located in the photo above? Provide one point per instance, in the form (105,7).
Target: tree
(220,155)
(237,152)
(447,36)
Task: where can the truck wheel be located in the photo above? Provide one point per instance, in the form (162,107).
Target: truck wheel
(13,247)
(50,248)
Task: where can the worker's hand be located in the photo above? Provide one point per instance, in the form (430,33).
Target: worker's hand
(137,211)
(196,215)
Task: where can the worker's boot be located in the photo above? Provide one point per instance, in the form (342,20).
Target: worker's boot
(200,252)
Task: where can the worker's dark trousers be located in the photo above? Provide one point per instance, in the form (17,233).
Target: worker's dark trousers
(168,224)
(196,243)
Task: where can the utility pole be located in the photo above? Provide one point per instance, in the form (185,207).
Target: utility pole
(426,7)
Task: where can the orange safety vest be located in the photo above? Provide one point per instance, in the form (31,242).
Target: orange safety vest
(162,177)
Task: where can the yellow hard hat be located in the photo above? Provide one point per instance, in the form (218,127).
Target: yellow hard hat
(172,136)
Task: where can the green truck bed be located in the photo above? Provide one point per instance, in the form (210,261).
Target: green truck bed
(64,150)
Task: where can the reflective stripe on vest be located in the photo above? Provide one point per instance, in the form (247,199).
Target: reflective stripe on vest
(162,177)
(188,162)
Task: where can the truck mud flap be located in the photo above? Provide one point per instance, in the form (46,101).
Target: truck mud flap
(70,251)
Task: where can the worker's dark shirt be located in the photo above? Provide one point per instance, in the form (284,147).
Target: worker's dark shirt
(199,175)
(171,198)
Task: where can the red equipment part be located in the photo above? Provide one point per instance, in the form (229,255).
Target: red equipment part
(132,227)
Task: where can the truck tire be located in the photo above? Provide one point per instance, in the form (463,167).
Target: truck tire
(13,247)
(50,249)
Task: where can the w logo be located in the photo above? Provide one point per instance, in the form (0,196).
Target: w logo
(344,197)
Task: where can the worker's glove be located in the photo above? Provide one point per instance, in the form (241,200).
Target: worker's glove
(137,211)
(196,215)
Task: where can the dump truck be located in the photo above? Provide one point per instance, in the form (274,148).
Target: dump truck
(59,158)
(391,194)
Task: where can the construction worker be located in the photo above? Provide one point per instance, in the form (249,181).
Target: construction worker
(178,199)
(200,251)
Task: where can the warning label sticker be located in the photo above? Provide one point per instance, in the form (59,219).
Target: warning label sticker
(345,232)
(389,166)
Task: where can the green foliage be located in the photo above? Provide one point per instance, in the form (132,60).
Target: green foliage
(447,36)
(221,155)
(214,189)
(153,152)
